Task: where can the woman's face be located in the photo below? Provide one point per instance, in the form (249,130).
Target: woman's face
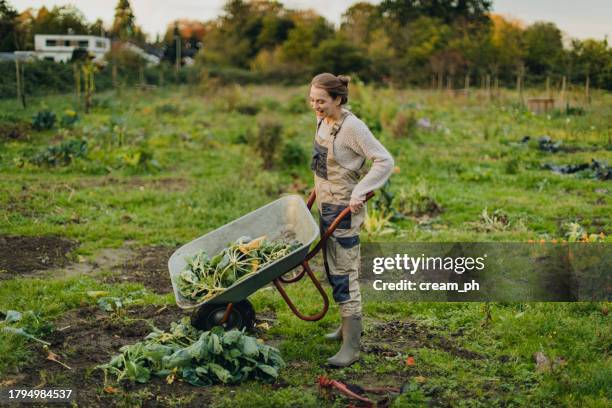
(322,103)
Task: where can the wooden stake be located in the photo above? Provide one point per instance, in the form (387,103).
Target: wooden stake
(18,77)
(587,92)
(77,83)
(466,83)
(563,87)
(496,86)
(178,56)
(488,86)
(548,95)
(519,84)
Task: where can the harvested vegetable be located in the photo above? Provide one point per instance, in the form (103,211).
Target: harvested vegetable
(200,358)
(205,277)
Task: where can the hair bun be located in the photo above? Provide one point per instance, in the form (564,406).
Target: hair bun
(344,79)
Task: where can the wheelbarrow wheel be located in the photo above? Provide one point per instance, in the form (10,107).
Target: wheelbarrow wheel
(241,316)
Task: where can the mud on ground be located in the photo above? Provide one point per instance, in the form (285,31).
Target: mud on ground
(23,255)
(148,265)
(87,337)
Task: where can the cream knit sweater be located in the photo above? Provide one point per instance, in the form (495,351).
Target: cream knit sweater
(355,143)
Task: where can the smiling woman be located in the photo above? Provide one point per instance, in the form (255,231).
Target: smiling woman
(341,146)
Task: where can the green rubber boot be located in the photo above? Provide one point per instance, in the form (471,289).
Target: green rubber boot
(351,343)
(335,335)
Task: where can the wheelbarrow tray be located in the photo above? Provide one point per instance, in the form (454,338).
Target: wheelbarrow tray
(287,217)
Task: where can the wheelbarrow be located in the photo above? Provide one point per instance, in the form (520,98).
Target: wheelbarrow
(286,217)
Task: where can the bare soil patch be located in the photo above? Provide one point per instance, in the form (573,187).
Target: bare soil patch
(85,338)
(395,337)
(147,265)
(22,255)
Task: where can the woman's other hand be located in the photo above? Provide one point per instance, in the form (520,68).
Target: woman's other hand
(355,205)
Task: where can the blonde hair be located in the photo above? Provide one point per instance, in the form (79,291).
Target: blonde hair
(334,85)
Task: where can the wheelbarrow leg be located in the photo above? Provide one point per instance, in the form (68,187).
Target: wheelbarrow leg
(313,278)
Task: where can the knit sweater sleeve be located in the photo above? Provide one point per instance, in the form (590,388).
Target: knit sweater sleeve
(361,140)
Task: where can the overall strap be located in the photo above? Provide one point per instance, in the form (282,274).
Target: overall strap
(337,126)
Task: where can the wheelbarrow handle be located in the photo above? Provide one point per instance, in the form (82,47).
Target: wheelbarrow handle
(311,199)
(332,227)
(324,238)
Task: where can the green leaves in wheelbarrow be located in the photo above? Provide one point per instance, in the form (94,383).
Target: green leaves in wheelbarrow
(206,277)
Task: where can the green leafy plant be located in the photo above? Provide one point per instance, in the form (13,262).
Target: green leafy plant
(378,222)
(200,358)
(205,277)
(417,201)
(575,232)
(27,324)
(297,104)
(69,118)
(496,221)
(62,154)
(294,154)
(43,120)
(139,160)
(267,139)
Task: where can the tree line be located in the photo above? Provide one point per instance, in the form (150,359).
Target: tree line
(400,42)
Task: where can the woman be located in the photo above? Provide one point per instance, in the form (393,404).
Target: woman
(341,146)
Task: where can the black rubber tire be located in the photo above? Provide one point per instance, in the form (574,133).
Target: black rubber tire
(209,316)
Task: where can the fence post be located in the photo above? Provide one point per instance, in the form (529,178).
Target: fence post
(141,77)
(519,84)
(114,76)
(467,83)
(488,86)
(587,92)
(562,97)
(77,83)
(496,86)
(548,95)
(19,70)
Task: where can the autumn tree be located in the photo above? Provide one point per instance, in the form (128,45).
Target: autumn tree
(124,25)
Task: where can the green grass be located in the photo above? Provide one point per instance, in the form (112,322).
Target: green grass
(207,178)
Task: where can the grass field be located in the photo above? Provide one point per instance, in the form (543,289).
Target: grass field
(165,166)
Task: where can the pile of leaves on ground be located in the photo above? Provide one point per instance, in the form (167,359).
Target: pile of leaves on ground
(200,358)
(205,277)
(596,169)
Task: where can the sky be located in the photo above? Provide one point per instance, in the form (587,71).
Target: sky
(578,19)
